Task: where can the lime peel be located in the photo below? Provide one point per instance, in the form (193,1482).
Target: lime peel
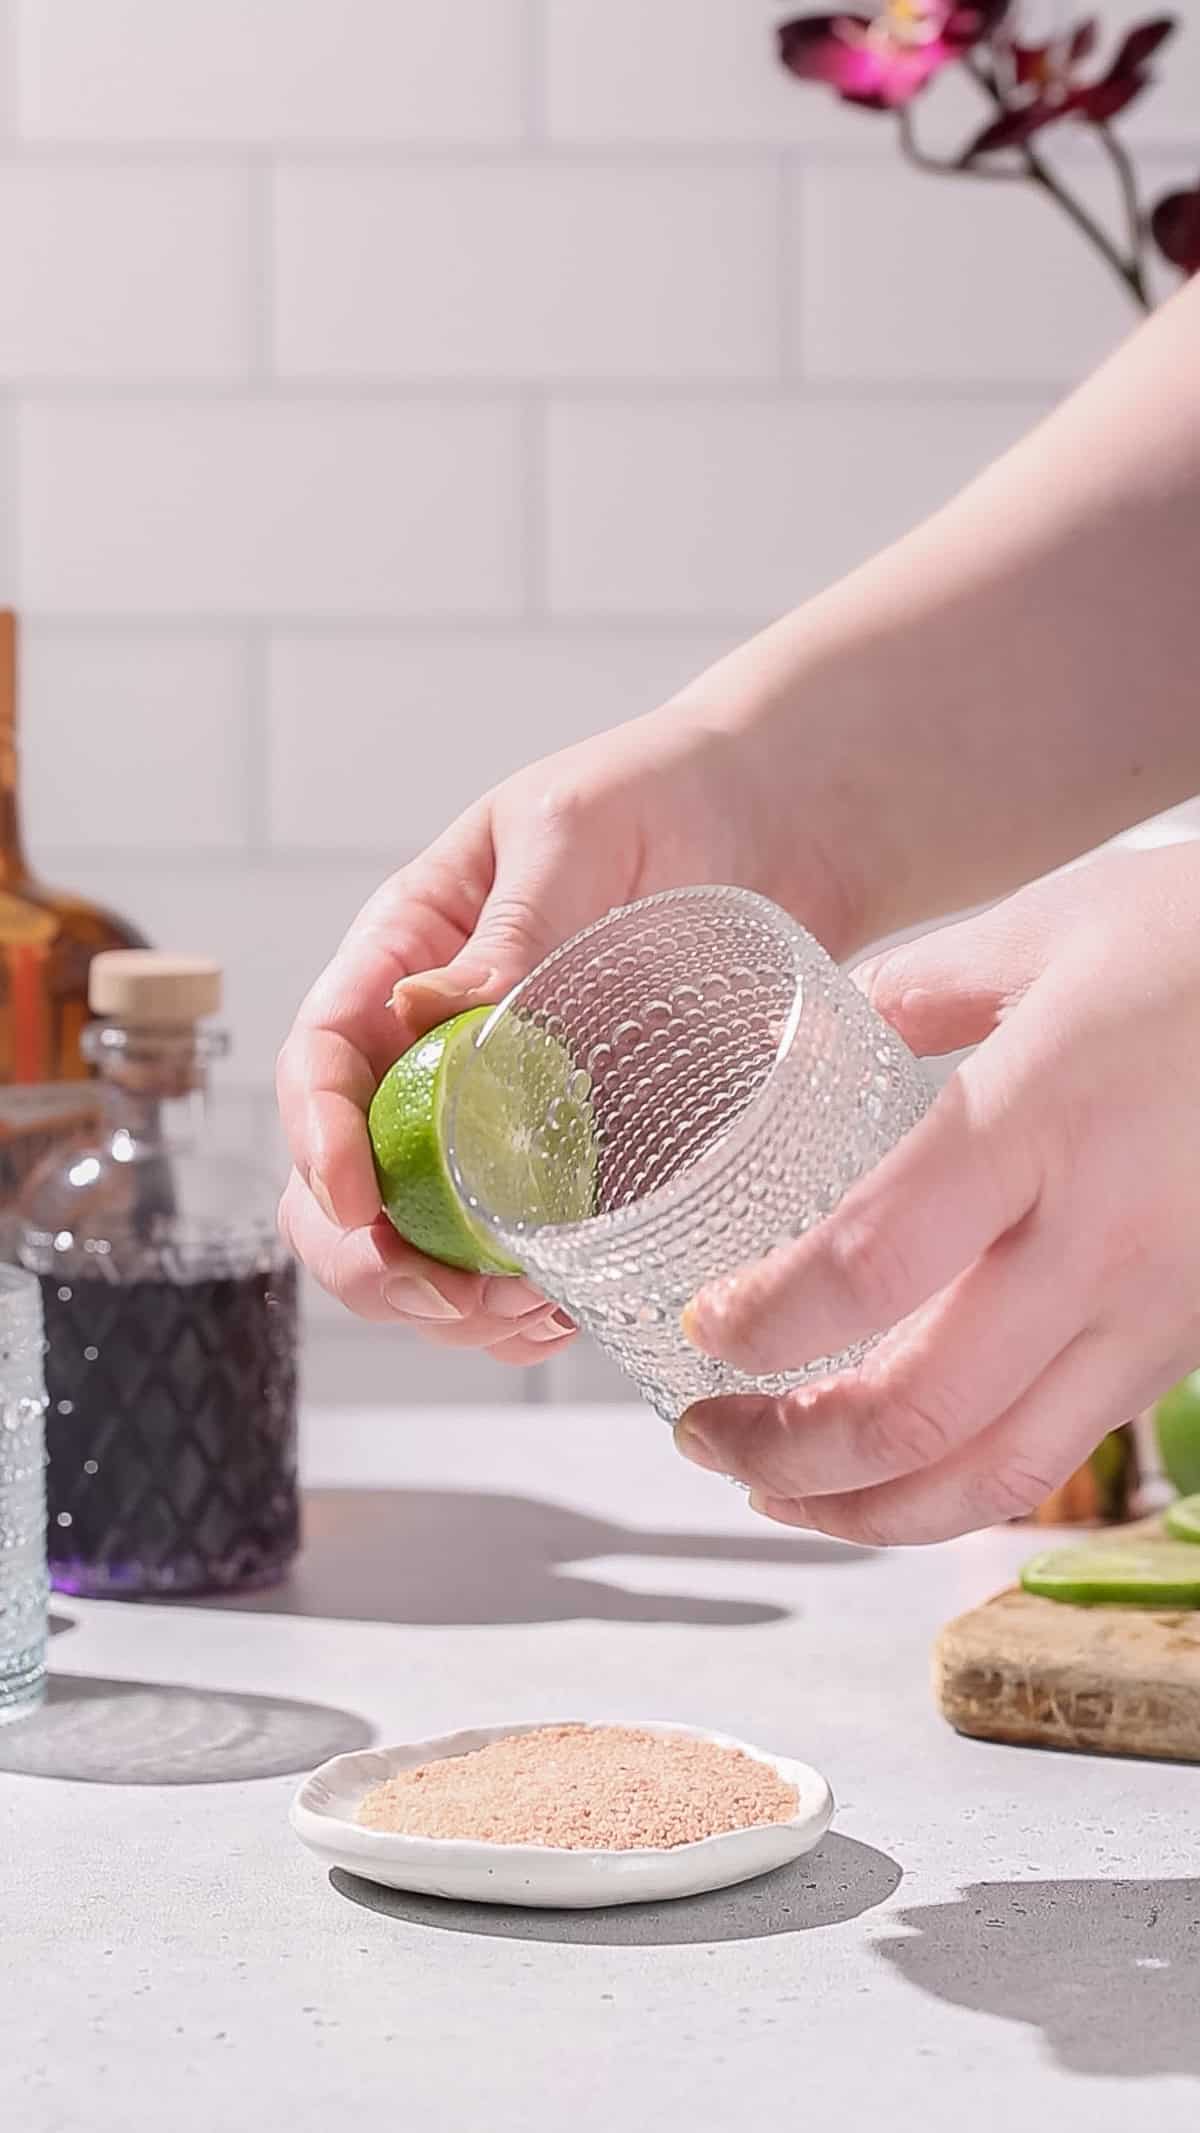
(523,1129)
(1151,1573)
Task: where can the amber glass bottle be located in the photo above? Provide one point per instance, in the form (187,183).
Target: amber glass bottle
(47,937)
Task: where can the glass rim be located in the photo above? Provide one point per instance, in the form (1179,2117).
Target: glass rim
(661,1203)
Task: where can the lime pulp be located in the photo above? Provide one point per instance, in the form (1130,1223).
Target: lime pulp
(523,1130)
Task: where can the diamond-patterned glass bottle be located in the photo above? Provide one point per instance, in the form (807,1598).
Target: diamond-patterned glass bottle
(170,1314)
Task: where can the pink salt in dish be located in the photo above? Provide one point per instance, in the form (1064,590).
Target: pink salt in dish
(584,1788)
(607,1860)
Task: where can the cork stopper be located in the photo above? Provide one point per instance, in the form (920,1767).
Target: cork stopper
(140,985)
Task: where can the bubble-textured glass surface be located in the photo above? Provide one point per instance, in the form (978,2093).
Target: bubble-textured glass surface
(23,1582)
(727,1082)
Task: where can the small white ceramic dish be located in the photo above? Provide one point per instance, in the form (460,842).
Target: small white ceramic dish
(539,1875)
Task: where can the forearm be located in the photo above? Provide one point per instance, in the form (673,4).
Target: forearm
(1016,680)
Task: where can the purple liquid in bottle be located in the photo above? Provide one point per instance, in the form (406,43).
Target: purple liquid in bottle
(170,1313)
(171,1433)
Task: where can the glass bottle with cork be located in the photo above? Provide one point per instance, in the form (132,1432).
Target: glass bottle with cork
(170,1310)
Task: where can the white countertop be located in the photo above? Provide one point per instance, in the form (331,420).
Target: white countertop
(988,1931)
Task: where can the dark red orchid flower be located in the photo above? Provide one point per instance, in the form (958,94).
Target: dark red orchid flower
(883,60)
(1045,88)
(1175,226)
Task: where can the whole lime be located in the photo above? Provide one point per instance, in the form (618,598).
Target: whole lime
(1177,1423)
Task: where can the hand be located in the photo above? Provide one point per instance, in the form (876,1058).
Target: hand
(666,801)
(1034,1241)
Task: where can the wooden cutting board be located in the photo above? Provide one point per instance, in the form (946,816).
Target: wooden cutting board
(1107,1680)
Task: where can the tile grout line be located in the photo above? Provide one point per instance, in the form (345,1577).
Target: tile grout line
(257,748)
(534,36)
(260,276)
(450,393)
(535,511)
(382,154)
(785,267)
(10,76)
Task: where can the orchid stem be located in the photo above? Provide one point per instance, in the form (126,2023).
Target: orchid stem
(1128,271)
(1122,163)
(918,157)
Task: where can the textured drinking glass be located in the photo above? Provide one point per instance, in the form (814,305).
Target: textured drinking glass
(734,1084)
(23,1581)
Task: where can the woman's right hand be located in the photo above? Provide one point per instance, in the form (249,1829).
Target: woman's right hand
(666,801)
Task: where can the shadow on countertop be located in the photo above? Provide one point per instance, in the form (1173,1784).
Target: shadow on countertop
(1108,1971)
(837,1882)
(101,1732)
(455,1557)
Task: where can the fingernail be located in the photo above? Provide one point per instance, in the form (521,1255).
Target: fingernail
(703,1317)
(692,1323)
(695,1446)
(320,1193)
(413,1298)
(554,1328)
(758,1502)
(506,1296)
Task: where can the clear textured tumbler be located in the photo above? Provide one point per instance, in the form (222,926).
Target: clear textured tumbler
(733,1083)
(23,1582)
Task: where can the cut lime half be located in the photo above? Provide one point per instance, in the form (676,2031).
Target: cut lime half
(1183,1519)
(523,1134)
(1151,1573)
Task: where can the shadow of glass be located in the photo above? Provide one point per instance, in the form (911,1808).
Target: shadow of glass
(1109,1971)
(58,1625)
(836,1883)
(156,1733)
(439,1557)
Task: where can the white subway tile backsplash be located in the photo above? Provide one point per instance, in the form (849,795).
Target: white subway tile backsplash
(393,392)
(741,508)
(358,726)
(966,281)
(122,274)
(9,507)
(613,270)
(252,506)
(272,926)
(676,71)
(267,70)
(133,742)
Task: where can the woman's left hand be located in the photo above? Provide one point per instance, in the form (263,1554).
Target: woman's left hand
(1034,1242)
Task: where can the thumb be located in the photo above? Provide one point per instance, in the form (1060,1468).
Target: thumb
(953,987)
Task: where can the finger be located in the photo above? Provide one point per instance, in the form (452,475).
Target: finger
(951,988)
(539,896)
(538,1345)
(345,1036)
(375,1274)
(371,1270)
(1027,1453)
(476,1330)
(960,1179)
(936,1382)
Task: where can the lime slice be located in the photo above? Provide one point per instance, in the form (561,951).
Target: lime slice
(524,1133)
(1152,1573)
(1177,1423)
(1183,1519)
